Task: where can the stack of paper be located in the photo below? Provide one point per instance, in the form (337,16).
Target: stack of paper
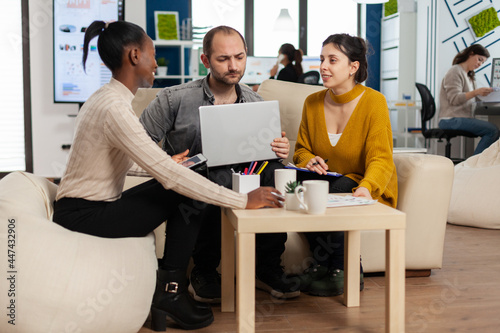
(335,200)
(492,97)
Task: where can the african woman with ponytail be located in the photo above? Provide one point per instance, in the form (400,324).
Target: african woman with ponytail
(109,143)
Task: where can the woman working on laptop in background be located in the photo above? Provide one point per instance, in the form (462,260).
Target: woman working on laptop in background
(459,93)
(108,140)
(348,126)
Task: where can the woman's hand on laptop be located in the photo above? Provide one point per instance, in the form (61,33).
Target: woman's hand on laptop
(264,197)
(281,146)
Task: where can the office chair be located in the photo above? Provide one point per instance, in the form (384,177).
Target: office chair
(427,112)
(311,77)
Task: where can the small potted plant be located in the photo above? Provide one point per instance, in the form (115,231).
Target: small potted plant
(291,201)
(162,66)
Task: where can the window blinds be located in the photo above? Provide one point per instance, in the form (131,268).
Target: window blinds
(12,148)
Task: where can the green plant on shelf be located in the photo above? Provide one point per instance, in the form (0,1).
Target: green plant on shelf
(484,21)
(291,186)
(162,61)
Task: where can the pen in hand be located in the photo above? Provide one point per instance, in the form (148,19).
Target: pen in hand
(316,163)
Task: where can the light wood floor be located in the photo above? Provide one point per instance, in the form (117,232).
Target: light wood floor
(463,296)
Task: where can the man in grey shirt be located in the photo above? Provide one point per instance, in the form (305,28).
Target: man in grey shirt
(174,118)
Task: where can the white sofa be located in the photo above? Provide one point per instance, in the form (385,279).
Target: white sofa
(424,181)
(64,281)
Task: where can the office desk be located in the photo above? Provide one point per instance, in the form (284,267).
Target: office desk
(246,223)
(487,109)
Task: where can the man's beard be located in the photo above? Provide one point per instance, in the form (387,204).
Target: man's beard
(225,80)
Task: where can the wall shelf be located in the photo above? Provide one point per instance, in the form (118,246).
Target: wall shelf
(182,45)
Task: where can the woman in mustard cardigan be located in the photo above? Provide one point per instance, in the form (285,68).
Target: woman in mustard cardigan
(347,125)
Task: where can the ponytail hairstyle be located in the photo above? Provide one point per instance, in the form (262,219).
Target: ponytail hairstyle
(294,56)
(355,49)
(466,53)
(113,38)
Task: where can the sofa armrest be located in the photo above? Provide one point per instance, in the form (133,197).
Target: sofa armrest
(424,186)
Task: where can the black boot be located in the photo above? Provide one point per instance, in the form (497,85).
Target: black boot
(171,299)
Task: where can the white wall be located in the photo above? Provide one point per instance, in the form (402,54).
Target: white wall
(52,125)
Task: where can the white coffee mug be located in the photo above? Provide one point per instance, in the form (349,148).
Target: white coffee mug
(282,177)
(315,195)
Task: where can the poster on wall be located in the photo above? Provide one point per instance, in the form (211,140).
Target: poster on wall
(483,22)
(167,25)
(70,20)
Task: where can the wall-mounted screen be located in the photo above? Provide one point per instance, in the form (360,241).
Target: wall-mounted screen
(71,18)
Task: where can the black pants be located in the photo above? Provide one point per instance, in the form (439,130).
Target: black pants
(138,212)
(328,247)
(269,247)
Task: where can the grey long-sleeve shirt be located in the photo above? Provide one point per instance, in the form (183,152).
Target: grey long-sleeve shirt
(173,115)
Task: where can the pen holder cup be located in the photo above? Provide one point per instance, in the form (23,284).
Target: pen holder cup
(245,183)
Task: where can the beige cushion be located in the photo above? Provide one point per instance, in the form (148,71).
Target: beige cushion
(474,199)
(68,281)
(142,98)
(291,97)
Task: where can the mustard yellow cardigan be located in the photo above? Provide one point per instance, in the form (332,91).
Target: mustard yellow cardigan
(364,151)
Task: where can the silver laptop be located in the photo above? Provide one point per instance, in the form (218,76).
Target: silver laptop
(238,133)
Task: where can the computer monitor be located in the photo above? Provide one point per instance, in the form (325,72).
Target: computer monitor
(311,63)
(258,69)
(495,73)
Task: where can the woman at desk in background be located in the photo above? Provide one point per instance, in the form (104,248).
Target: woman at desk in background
(458,94)
(348,125)
(291,58)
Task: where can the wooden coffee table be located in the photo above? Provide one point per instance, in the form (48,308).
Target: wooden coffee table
(246,223)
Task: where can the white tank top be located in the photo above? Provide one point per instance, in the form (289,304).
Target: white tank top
(334,138)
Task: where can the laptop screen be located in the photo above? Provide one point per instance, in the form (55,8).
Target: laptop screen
(238,133)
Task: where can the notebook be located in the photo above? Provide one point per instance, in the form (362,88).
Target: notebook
(238,133)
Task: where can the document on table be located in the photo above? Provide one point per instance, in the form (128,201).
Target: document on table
(335,200)
(492,97)
(292,166)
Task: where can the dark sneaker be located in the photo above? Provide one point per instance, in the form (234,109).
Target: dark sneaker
(332,284)
(313,273)
(277,283)
(205,285)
